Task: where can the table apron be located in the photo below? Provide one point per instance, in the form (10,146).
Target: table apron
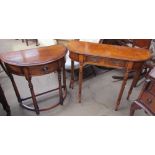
(35,70)
(106,62)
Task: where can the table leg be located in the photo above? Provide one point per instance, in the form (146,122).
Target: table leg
(60,87)
(122,89)
(134,82)
(80,80)
(28,78)
(64,77)
(15,87)
(72,75)
(4,102)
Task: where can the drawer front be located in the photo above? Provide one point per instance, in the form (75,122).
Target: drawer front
(99,61)
(15,70)
(148,100)
(106,62)
(35,70)
(43,69)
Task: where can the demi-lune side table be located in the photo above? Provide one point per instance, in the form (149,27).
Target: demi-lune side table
(37,62)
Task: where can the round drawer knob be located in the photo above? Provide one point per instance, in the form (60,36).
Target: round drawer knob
(45,69)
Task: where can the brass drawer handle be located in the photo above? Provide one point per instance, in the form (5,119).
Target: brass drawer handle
(45,69)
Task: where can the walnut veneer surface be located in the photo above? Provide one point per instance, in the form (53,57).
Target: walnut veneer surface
(109,51)
(36,56)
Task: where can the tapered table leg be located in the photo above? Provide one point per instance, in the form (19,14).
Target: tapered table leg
(134,82)
(80,81)
(122,89)
(72,75)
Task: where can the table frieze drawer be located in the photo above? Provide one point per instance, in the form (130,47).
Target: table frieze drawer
(43,69)
(107,62)
(15,70)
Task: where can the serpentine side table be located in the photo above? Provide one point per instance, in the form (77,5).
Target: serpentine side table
(107,56)
(37,62)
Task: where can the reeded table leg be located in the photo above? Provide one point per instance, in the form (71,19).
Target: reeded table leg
(122,90)
(72,75)
(134,82)
(80,80)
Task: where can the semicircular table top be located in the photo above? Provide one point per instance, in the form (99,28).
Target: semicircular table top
(36,56)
